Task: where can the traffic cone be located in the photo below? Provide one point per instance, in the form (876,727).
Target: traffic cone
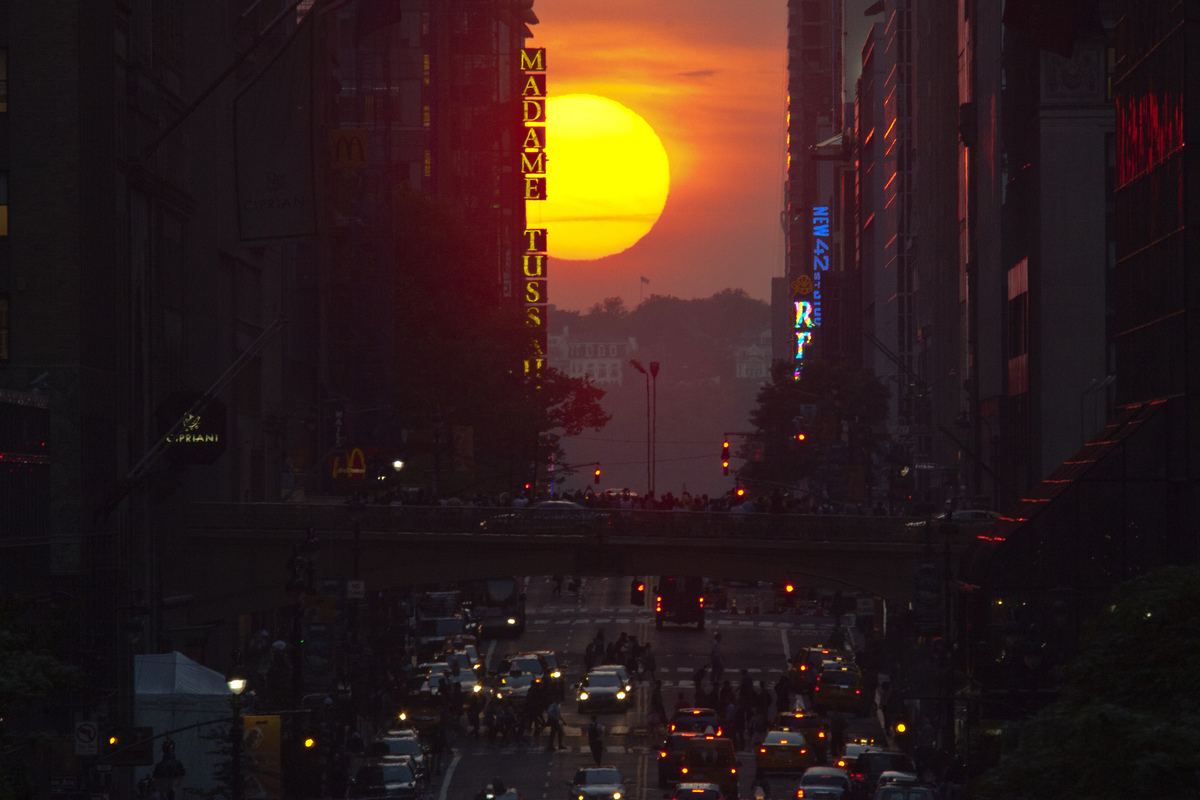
(733,606)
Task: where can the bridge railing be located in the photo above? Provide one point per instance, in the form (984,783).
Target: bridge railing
(608,523)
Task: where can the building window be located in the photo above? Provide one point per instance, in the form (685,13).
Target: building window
(3,204)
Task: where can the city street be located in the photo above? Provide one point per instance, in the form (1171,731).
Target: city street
(760,644)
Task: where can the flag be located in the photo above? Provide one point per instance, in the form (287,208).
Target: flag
(645,280)
(273,119)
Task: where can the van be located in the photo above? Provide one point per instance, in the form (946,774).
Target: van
(711,759)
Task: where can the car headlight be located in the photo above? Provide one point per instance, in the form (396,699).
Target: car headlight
(556,674)
(616,796)
(403,716)
(512,621)
(620,695)
(477,688)
(583,695)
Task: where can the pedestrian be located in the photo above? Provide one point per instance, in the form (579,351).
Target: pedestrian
(437,746)
(554,721)
(474,706)
(698,679)
(595,734)
(589,657)
(717,660)
(837,734)
(490,722)
(783,694)
(557,590)
(648,664)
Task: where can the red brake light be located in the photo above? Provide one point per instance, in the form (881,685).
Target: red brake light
(789,588)
(804,667)
(762,749)
(821,734)
(662,754)
(683,770)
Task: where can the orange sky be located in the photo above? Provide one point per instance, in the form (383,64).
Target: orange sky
(710,78)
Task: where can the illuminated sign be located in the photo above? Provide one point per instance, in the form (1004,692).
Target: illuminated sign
(352,466)
(199,437)
(533,176)
(806,289)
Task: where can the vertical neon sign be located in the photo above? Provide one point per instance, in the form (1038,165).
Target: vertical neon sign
(533,176)
(807,312)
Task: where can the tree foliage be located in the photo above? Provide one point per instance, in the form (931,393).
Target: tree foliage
(32,678)
(1127,723)
(840,393)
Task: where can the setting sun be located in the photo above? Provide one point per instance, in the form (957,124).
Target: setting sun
(607,175)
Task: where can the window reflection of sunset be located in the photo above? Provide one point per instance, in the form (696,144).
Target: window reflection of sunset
(607,178)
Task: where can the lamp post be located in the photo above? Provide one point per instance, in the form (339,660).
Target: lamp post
(633,362)
(654,430)
(237,684)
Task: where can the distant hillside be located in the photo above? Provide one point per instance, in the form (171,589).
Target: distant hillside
(699,394)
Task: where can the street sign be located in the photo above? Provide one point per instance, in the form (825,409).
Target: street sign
(87,739)
(865,606)
(63,783)
(356,590)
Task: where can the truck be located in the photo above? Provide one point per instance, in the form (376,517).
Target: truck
(498,607)
(680,601)
(439,617)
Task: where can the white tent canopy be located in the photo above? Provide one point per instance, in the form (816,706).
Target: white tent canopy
(172,691)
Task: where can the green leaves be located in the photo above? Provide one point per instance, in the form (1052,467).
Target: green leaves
(1126,724)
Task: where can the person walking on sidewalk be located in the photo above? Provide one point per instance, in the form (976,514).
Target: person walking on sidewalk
(595,737)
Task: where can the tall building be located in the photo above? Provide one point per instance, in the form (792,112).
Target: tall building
(814,118)
(127,289)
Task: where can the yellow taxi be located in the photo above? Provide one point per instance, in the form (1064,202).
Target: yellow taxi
(783,751)
(810,724)
(839,689)
(808,663)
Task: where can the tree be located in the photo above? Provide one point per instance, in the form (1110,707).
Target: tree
(839,393)
(1127,722)
(32,681)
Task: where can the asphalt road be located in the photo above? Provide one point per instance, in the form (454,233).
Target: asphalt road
(759,643)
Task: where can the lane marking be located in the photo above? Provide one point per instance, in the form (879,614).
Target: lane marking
(487,659)
(450,769)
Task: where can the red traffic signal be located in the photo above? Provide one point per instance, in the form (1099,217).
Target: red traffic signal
(741,492)
(725,466)
(789,588)
(597,478)
(725,450)
(800,437)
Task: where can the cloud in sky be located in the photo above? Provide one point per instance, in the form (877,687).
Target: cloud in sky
(710,78)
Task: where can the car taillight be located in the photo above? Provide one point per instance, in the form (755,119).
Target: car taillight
(858,691)
(718,731)
(799,793)
(802,751)
(841,764)
(662,754)
(762,749)
(804,667)
(683,770)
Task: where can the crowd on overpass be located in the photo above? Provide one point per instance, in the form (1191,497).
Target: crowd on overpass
(738,501)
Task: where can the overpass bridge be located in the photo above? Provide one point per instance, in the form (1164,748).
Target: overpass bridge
(233,558)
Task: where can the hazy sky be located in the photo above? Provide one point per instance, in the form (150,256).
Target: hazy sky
(710,78)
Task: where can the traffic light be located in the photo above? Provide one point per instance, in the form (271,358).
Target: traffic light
(725,450)
(800,437)
(597,478)
(740,492)
(789,588)
(637,592)
(725,466)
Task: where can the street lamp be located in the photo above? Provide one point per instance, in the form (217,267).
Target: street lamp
(654,430)
(397,465)
(236,682)
(633,362)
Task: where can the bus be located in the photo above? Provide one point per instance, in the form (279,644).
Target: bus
(679,600)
